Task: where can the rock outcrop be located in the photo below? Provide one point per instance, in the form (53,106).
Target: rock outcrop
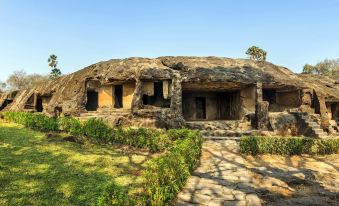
(68,95)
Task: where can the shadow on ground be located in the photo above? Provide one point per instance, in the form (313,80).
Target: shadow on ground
(36,171)
(227,178)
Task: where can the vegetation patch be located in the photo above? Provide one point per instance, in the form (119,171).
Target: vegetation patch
(161,177)
(255,145)
(36,171)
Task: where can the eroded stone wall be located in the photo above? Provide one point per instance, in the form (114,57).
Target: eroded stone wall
(290,99)
(106,96)
(128,92)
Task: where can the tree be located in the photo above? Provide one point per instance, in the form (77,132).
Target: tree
(53,63)
(308,69)
(256,53)
(325,67)
(2,87)
(36,80)
(20,80)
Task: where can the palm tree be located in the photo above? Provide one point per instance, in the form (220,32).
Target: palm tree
(53,63)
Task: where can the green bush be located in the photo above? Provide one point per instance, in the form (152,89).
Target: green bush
(97,130)
(167,174)
(151,139)
(17,117)
(114,195)
(71,125)
(32,120)
(175,134)
(288,145)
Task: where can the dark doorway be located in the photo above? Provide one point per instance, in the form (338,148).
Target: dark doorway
(92,101)
(200,105)
(7,102)
(228,104)
(269,95)
(118,96)
(38,105)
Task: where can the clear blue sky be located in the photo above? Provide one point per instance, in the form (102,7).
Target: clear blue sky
(80,33)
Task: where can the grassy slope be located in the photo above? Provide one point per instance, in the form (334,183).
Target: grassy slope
(37,171)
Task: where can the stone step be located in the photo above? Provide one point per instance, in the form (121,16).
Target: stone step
(98,114)
(310,123)
(226,133)
(91,115)
(318,131)
(321,135)
(221,138)
(315,126)
(218,125)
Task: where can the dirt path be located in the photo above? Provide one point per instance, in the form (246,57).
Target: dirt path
(227,178)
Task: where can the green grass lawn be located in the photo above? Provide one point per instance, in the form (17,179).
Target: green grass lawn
(35,170)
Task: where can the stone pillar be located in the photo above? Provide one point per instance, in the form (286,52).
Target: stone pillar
(137,97)
(306,101)
(35,101)
(176,96)
(258,94)
(261,110)
(325,120)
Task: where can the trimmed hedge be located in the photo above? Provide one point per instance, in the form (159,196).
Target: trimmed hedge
(164,175)
(288,145)
(167,174)
(33,120)
(93,129)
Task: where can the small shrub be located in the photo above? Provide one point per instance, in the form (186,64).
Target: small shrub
(152,139)
(175,134)
(71,125)
(115,195)
(32,120)
(288,145)
(97,130)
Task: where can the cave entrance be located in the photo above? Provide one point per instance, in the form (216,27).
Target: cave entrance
(211,105)
(200,105)
(334,108)
(38,104)
(269,95)
(6,103)
(118,94)
(280,99)
(92,101)
(156,94)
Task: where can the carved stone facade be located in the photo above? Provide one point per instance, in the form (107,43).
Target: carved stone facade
(198,92)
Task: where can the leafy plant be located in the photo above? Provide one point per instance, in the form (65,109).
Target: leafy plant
(256,53)
(166,175)
(115,195)
(288,145)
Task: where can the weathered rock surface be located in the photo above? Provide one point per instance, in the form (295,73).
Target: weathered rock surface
(68,93)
